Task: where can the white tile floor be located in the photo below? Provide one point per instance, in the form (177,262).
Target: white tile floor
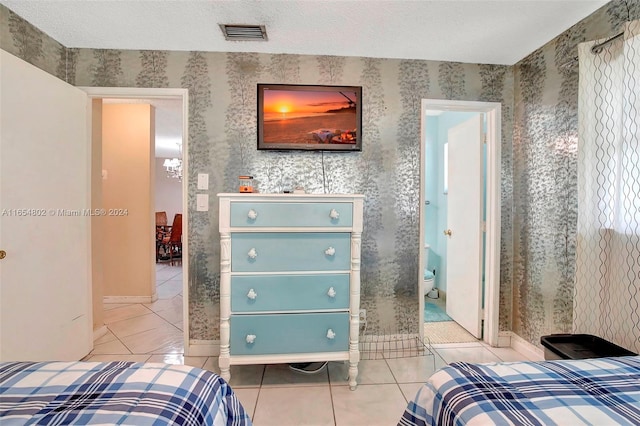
(272,394)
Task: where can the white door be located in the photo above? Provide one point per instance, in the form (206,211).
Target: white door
(45,293)
(464,221)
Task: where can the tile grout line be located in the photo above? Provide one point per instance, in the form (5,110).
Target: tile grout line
(149,311)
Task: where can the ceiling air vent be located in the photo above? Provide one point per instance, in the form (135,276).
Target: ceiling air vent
(244,32)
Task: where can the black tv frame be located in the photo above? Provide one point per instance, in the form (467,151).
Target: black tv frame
(320,141)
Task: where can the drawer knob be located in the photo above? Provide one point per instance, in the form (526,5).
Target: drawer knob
(334,214)
(330,251)
(252,214)
(331,334)
(252,294)
(331,292)
(251,338)
(252,253)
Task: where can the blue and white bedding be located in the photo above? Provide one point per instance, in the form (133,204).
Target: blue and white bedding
(601,391)
(111,393)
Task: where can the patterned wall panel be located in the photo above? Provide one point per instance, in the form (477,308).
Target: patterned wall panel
(204,281)
(371,165)
(25,41)
(222,140)
(414,86)
(545,176)
(331,69)
(493,90)
(154,69)
(106,69)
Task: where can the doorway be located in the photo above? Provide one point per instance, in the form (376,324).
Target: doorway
(470,166)
(150,96)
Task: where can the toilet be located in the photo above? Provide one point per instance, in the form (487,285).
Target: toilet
(428,283)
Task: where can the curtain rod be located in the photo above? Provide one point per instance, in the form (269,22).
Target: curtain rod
(595,49)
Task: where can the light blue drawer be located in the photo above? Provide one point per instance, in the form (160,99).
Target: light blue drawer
(289,333)
(289,292)
(291,214)
(296,251)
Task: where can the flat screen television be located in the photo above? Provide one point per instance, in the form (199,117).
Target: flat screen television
(309,117)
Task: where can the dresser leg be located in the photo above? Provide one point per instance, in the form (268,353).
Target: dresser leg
(225,370)
(226,375)
(353,375)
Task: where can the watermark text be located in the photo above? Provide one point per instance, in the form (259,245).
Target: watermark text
(31,212)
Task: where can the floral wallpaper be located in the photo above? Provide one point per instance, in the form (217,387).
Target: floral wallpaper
(539,125)
(28,43)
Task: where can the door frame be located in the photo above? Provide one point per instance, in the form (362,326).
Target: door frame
(493,112)
(162,93)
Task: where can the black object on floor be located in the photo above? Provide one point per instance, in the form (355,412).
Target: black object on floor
(579,346)
(308,367)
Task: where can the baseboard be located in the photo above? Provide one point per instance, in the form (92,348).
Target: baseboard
(129,299)
(504,339)
(526,348)
(202,348)
(442,295)
(99,332)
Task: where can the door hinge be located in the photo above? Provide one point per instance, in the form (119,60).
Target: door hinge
(484,226)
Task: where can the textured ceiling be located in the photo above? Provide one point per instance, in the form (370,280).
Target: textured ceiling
(475,31)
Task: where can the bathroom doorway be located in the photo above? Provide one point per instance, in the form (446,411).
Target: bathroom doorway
(460,188)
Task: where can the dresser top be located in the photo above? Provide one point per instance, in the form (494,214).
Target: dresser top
(283,197)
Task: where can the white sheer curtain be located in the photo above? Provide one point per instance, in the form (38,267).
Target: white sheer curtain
(607,290)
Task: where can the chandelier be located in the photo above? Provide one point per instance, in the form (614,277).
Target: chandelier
(173,166)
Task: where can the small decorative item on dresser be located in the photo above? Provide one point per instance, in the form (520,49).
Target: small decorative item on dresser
(246,184)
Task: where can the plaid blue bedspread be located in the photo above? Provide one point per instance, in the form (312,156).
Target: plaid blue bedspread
(602,391)
(114,393)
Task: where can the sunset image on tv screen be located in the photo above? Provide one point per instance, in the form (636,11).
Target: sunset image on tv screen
(309,117)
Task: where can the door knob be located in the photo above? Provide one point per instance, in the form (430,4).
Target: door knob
(448,232)
(3,254)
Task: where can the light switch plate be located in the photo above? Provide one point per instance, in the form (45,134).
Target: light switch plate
(203,181)
(202,202)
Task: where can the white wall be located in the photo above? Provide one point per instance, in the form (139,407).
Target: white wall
(168,192)
(128,132)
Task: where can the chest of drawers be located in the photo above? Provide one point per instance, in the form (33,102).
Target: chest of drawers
(289,279)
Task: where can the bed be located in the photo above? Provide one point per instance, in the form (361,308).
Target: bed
(110,393)
(599,391)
